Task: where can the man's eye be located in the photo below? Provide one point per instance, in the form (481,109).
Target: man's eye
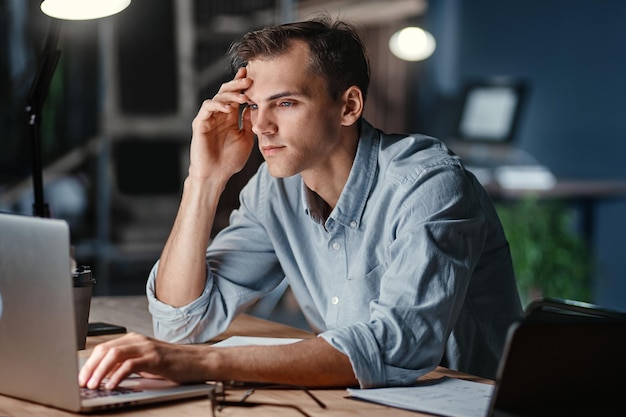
(285,104)
(252,106)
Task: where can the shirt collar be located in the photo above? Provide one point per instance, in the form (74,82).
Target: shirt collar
(351,203)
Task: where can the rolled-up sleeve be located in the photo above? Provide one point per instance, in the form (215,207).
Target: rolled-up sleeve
(184,324)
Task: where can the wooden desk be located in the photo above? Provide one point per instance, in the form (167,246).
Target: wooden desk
(564,189)
(132,313)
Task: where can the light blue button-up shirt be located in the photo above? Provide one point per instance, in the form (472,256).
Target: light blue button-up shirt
(411,268)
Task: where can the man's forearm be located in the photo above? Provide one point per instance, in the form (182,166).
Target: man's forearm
(312,362)
(182,268)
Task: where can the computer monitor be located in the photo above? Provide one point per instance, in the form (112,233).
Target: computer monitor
(490,110)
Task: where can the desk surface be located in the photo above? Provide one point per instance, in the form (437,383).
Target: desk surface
(565,189)
(132,313)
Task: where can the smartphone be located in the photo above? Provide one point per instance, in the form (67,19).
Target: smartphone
(99,328)
(242,109)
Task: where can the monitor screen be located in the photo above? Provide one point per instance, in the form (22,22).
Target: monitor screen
(490,111)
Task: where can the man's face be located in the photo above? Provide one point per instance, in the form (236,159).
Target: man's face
(296,121)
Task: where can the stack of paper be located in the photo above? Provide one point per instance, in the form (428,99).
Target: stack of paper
(447,397)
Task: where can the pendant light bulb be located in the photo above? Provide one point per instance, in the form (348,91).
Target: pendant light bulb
(82,9)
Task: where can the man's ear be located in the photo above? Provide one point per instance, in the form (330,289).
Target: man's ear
(353,105)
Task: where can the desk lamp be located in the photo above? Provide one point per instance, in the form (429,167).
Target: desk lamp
(58,9)
(68,10)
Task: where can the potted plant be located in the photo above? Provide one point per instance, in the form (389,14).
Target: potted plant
(549,258)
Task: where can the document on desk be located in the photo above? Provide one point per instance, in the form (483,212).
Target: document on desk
(447,397)
(254,340)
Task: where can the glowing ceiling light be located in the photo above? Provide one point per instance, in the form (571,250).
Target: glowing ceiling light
(412,44)
(82,9)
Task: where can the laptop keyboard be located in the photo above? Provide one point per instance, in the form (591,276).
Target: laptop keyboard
(86,393)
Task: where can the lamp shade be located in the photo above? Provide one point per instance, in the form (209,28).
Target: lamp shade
(82,9)
(412,44)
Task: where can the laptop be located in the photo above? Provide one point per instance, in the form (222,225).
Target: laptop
(38,356)
(563,358)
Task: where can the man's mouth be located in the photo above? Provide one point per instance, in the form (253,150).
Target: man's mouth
(270,150)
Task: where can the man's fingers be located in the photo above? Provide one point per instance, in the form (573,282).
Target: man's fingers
(220,113)
(109,364)
(86,372)
(237,84)
(122,370)
(110,359)
(226,103)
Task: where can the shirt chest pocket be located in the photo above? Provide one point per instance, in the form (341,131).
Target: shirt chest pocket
(357,293)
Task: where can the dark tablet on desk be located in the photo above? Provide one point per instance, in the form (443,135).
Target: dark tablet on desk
(553,368)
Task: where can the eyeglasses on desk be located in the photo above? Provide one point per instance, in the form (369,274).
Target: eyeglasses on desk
(218,401)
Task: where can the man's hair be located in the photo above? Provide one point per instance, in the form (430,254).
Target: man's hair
(337,52)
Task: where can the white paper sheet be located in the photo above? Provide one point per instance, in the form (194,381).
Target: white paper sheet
(448,397)
(251,340)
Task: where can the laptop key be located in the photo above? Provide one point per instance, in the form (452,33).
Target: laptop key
(87,393)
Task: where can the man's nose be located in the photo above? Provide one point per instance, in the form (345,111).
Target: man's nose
(262,122)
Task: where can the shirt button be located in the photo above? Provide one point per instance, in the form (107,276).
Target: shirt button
(336,246)
(334,300)
(353,224)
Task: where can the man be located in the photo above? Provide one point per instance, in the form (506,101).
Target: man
(392,249)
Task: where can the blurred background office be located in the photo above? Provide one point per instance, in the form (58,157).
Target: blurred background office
(117,120)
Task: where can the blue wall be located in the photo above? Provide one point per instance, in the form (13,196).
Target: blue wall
(573,53)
